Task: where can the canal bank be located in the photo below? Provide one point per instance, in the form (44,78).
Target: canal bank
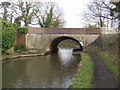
(10,57)
(84,76)
(22,54)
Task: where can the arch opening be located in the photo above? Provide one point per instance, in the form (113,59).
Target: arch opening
(56,41)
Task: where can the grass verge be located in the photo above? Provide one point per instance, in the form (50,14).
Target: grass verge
(84,76)
(108,60)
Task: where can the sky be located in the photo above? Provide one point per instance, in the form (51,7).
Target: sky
(72,11)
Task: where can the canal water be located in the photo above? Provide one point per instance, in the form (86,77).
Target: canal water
(51,71)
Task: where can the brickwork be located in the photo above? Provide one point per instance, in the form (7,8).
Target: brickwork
(38,30)
(20,39)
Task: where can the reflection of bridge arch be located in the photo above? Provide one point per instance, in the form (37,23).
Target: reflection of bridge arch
(56,41)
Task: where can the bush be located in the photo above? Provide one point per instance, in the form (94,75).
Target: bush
(8,35)
(21,47)
(23,30)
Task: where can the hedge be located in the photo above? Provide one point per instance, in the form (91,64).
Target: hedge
(8,35)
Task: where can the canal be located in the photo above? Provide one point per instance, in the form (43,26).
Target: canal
(51,71)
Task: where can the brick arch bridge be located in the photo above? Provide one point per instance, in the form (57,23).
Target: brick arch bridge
(49,38)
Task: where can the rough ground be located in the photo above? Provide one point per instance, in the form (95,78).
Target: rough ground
(102,76)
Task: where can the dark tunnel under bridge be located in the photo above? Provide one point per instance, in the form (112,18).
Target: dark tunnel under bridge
(56,41)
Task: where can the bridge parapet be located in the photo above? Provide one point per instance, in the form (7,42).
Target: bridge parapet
(37,30)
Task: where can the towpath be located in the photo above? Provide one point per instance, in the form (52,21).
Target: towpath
(103,77)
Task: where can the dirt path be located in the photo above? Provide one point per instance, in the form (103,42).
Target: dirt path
(102,76)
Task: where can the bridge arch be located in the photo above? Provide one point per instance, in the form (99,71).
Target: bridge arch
(55,42)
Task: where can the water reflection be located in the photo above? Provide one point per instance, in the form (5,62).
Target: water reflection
(52,71)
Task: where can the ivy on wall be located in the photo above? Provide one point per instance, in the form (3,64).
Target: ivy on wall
(23,30)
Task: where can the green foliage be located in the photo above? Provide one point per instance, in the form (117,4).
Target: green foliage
(8,35)
(0,37)
(21,47)
(84,76)
(23,30)
(52,16)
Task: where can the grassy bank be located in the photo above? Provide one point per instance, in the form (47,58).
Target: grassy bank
(109,61)
(84,76)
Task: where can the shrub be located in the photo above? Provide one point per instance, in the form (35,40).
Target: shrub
(23,30)
(21,47)
(8,35)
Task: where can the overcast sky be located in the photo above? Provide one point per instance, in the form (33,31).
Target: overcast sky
(72,11)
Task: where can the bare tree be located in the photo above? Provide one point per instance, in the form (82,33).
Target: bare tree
(46,14)
(99,13)
(25,12)
(49,15)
